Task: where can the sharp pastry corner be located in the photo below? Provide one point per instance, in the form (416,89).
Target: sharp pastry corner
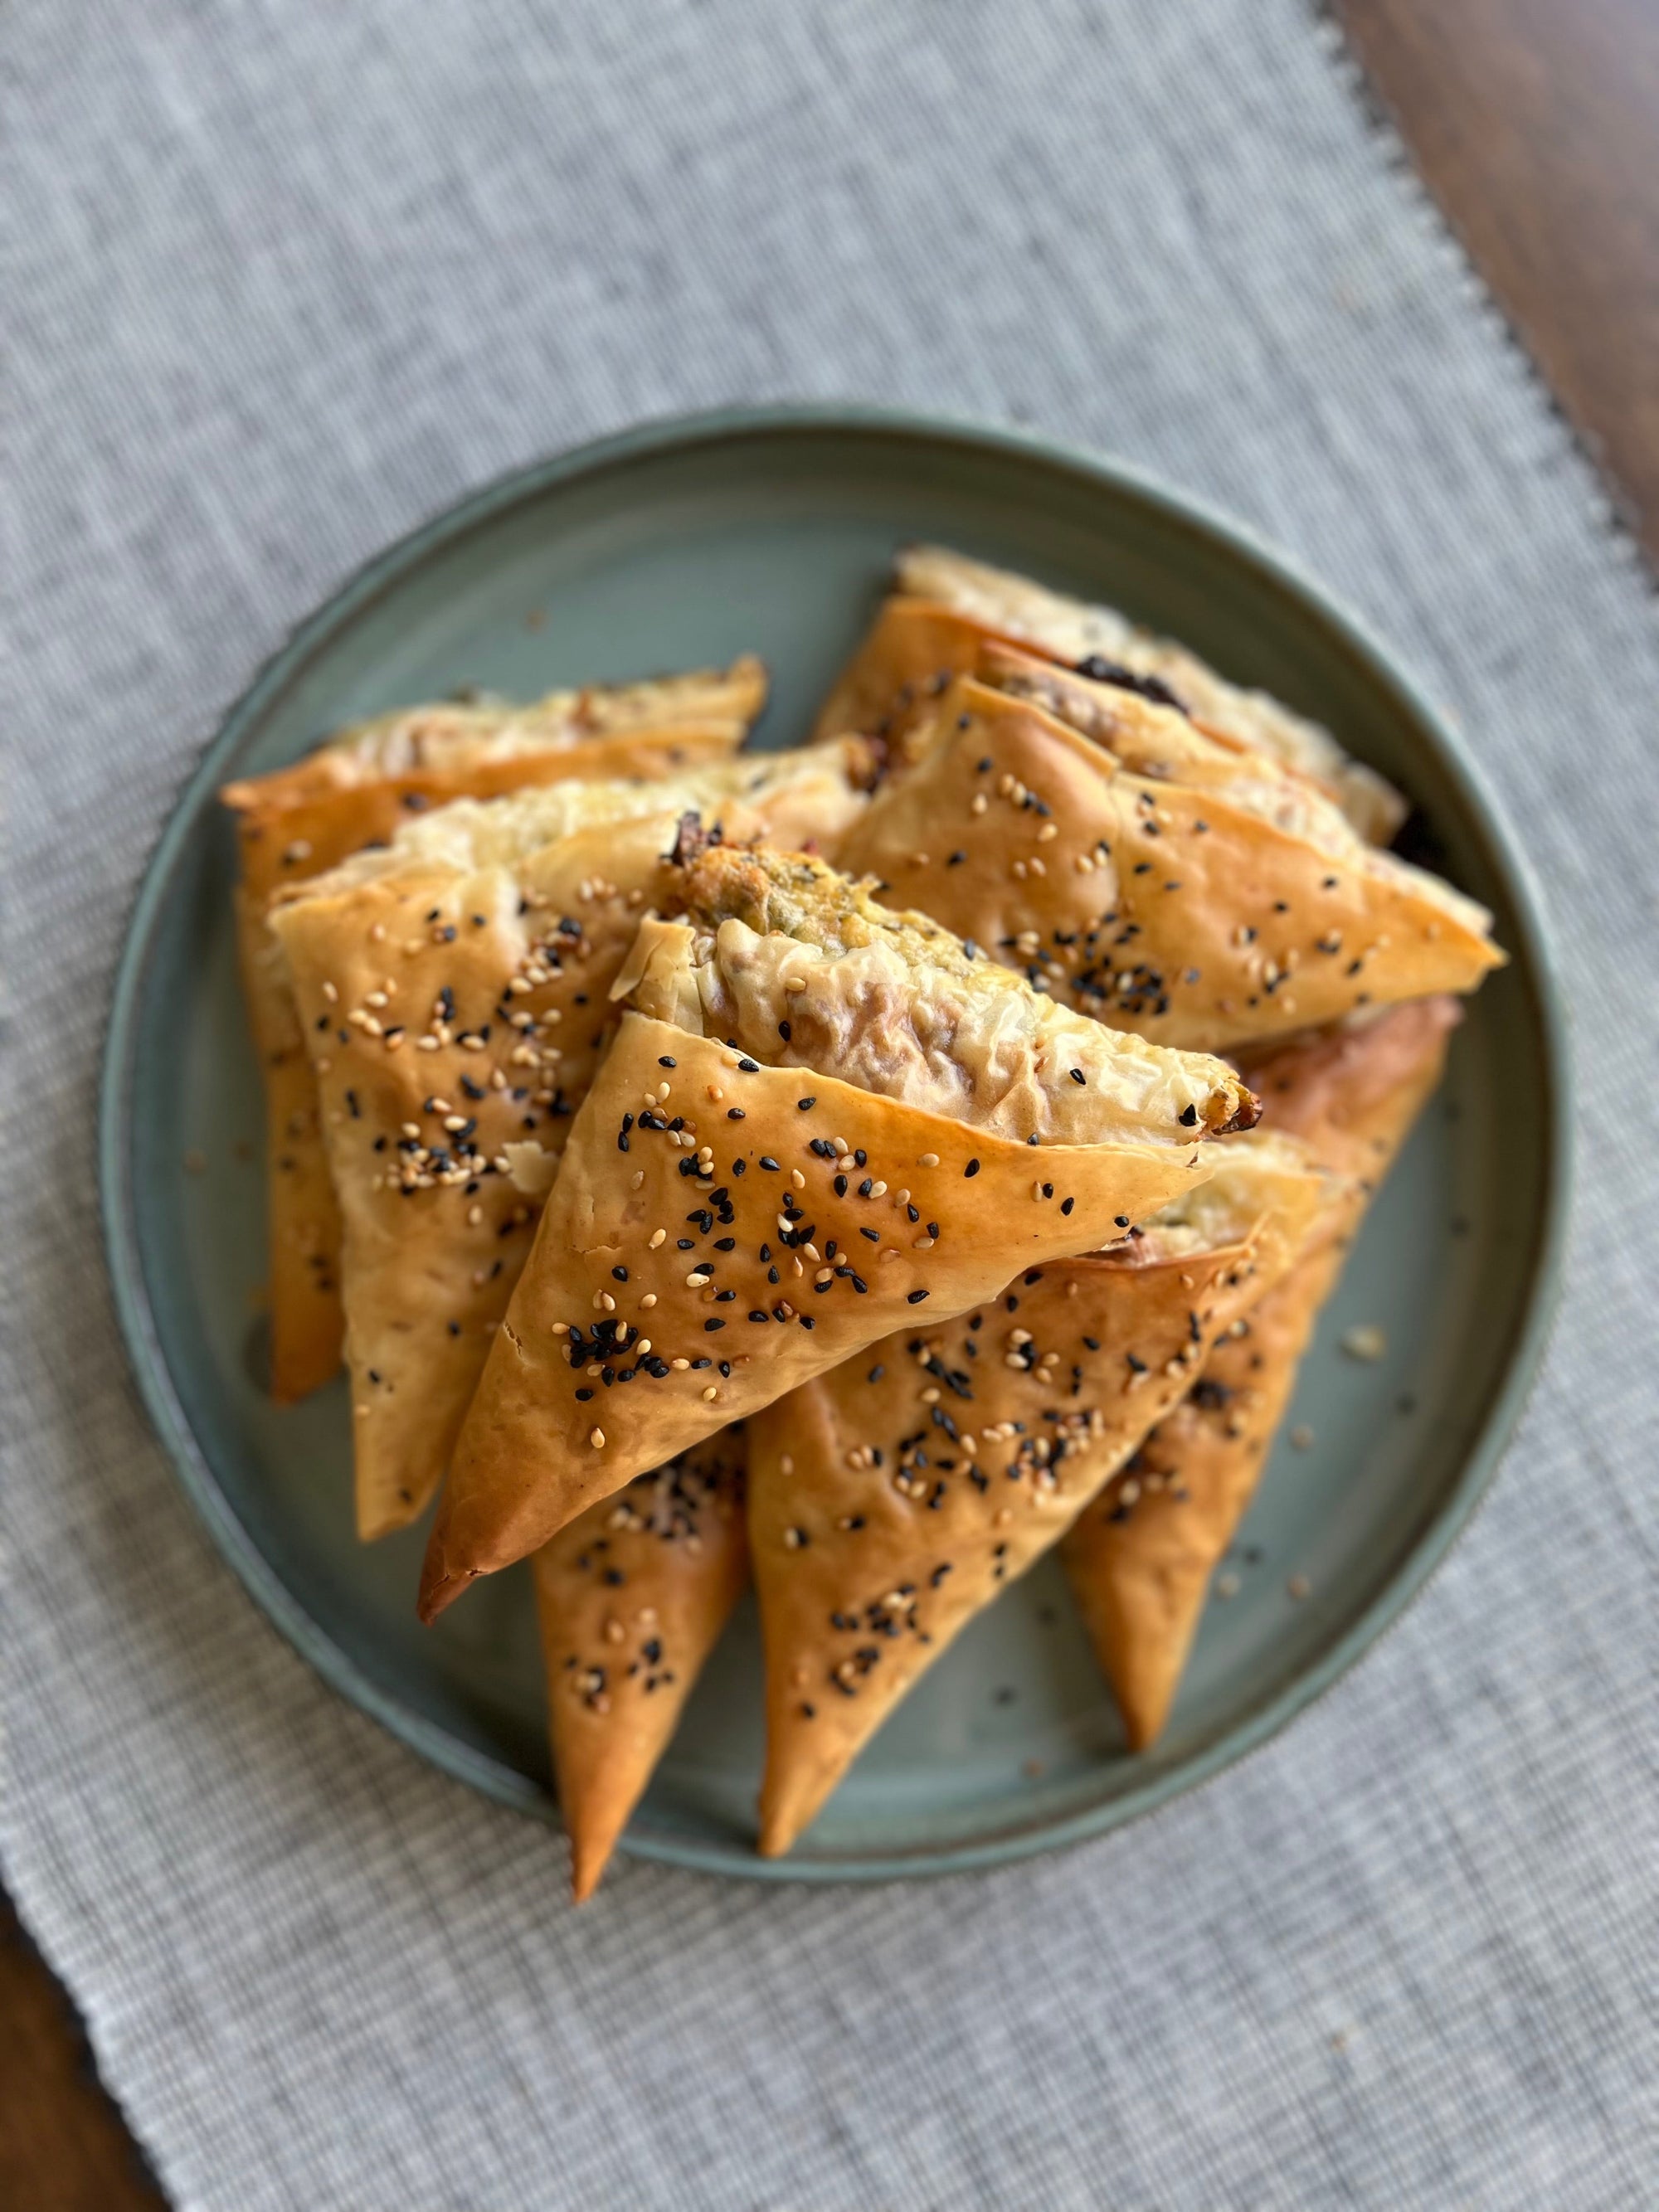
(856,1171)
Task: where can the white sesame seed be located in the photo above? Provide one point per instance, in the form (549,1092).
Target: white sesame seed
(596,1437)
(658,1236)
(928,1160)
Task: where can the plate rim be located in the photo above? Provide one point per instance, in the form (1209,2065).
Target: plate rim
(653,438)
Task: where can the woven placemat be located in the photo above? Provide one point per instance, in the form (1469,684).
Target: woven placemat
(278,282)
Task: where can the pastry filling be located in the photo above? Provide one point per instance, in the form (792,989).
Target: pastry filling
(793,964)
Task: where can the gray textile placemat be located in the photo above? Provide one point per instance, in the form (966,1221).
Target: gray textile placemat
(280,280)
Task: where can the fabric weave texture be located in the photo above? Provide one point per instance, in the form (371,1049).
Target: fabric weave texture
(282,279)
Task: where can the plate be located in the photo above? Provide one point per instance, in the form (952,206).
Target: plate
(684,543)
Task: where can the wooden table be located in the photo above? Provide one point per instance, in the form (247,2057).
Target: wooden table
(1535,125)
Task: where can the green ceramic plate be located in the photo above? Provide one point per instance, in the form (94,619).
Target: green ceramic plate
(683,542)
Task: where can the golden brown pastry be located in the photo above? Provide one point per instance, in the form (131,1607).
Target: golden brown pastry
(302,820)
(453,990)
(891,1499)
(632,1597)
(1141,1558)
(946,607)
(817,1115)
(1146,873)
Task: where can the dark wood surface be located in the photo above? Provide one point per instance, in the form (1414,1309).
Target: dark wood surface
(1535,125)
(62,2145)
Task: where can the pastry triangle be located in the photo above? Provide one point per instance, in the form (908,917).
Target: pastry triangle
(1141,1558)
(302,820)
(1150,875)
(947,607)
(453,990)
(817,1117)
(891,1499)
(632,1597)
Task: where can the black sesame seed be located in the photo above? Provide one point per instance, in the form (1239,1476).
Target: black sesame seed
(972,1168)
(916,1297)
(1190,1117)
(805,1105)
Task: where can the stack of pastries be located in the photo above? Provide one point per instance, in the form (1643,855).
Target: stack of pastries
(857,1169)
